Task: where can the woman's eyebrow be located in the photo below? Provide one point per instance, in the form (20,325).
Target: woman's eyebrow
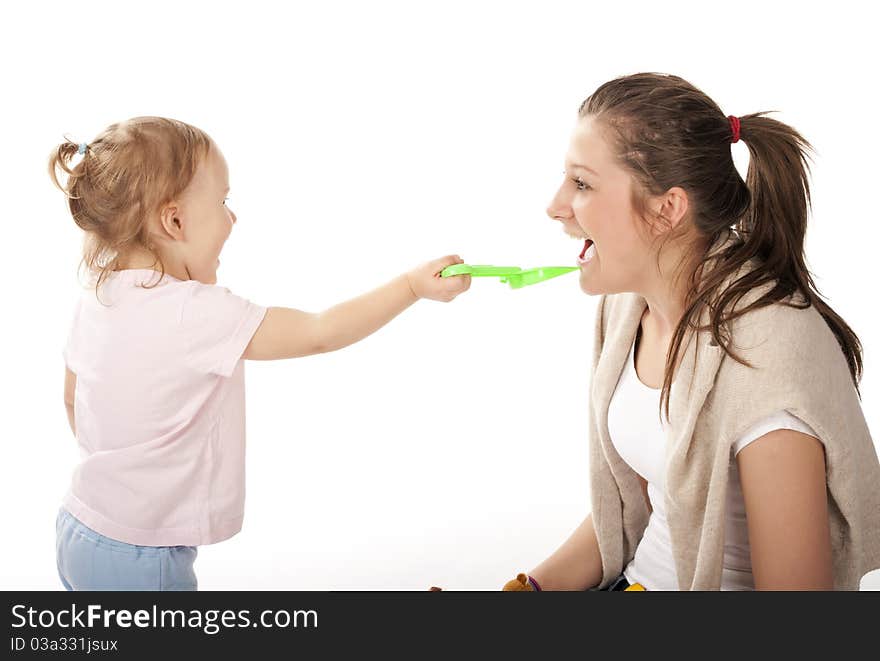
(584,167)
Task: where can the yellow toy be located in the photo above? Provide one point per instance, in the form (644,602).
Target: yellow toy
(523,583)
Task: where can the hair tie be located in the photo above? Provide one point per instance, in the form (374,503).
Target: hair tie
(734,126)
(82,148)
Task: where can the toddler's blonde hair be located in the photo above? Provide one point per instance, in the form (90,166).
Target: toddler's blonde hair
(125,175)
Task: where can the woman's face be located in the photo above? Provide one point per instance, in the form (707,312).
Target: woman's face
(593,203)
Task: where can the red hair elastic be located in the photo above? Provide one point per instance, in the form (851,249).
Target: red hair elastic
(734,126)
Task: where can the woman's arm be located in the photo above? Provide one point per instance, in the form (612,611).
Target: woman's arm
(784,488)
(576,565)
(290,333)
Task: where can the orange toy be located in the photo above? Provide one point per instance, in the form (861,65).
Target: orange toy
(518,584)
(521,584)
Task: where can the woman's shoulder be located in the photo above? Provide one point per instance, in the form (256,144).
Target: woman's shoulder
(785,342)
(791,321)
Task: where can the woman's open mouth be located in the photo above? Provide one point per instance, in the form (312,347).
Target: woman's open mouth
(587,253)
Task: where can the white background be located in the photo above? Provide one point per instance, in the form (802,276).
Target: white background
(449,449)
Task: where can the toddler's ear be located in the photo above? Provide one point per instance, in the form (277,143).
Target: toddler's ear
(169,220)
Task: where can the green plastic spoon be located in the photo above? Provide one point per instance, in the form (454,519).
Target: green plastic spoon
(512,275)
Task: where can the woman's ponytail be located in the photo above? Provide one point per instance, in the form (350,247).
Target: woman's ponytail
(775,225)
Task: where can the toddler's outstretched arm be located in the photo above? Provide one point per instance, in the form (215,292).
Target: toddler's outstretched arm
(290,333)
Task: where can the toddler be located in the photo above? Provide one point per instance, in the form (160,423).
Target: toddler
(154,383)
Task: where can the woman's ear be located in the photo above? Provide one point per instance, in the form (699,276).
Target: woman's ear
(670,208)
(169,221)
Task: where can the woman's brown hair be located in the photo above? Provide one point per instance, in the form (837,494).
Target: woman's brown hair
(124,176)
(668,133)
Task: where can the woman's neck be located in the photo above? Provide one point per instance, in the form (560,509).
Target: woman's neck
(667,294)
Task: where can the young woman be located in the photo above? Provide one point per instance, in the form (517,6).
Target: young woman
(760,472)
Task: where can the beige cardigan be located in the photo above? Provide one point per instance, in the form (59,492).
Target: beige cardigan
(798,366)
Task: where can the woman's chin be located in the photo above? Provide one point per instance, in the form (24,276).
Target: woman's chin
(588,285)
(591,291)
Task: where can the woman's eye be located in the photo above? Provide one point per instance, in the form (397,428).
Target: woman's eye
(580,183)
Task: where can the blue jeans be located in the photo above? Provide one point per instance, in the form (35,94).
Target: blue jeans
(89,561)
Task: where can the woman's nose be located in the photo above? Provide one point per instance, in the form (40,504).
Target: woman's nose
(555,210)
(558,209)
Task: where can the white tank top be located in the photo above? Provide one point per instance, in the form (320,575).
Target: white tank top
(639,435)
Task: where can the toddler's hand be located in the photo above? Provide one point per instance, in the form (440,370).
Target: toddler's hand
(425,280)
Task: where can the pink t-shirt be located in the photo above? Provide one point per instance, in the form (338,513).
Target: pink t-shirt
(160,409)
